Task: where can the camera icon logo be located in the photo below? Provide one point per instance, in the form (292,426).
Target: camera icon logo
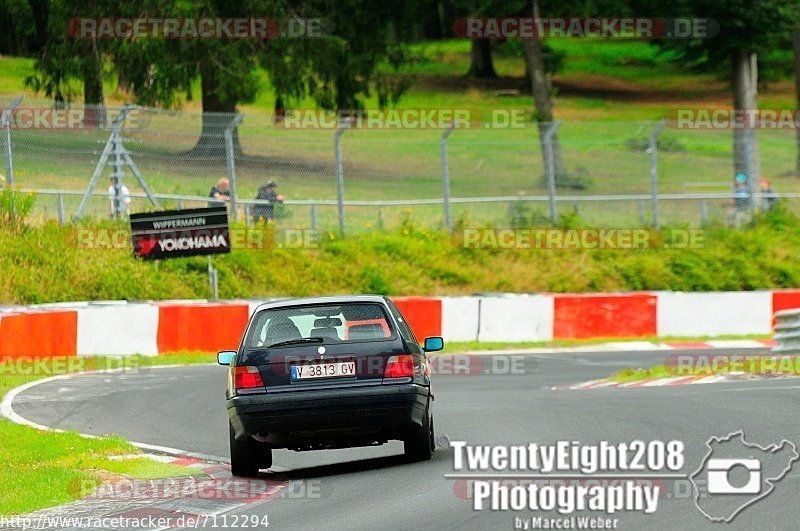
(736,473)
(719,482)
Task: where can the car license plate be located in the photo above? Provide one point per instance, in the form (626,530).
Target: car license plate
(336,369)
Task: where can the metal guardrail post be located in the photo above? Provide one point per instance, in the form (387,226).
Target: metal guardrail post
(231,159)
(5,121)
(652,149)
(448,217)
(112,144)
(752,178)
(213,278)
(550,169)
(787,332)
(60,208)
(118,173)
(343,126)
(703,212)
(314,221)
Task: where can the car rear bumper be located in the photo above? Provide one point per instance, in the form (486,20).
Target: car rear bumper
(377,408)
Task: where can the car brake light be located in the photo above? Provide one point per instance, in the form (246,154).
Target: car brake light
(399,366)
(247,377)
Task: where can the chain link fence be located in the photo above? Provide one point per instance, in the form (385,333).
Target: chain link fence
(355,178)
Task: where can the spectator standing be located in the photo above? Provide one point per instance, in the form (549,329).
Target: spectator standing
(768,196)
(221,193)
(740,214)
(266,211)
(119,198)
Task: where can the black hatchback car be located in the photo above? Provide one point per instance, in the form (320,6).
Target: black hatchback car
(327,372)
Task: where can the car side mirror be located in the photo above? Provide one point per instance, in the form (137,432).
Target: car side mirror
(433,344)
(225,357)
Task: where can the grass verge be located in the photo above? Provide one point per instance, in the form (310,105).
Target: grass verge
(43,469)
(714,365)
(411,261)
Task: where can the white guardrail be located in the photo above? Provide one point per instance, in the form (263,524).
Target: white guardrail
(787,332)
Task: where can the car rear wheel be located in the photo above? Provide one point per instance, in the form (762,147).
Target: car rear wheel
(420,443)
(248,456)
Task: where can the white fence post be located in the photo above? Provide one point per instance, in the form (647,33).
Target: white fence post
(652,149)
(343,126)
(550,168)
(231,160)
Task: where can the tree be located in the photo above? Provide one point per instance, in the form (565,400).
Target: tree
(17,29)
(542,92)
(481,64)
(62,58)
(746,28)
(337,69)
(542,61)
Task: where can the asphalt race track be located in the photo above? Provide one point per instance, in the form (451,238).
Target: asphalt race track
(371,488)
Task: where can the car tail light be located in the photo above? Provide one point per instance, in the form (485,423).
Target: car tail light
(399,366)
(247,377)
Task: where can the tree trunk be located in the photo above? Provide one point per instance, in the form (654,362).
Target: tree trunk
(123,83)
(745,89)
(217,115)
(94,113)
(41,14)
(448,18)
(542,99)
(796,48)
(481,64)
(432,26)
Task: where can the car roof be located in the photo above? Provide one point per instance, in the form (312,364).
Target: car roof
(333,299)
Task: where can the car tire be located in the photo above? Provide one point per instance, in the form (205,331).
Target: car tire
(248,457)
(419,444)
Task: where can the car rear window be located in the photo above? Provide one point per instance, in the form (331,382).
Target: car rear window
(333,323)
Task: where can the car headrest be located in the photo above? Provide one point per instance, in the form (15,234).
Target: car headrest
(327,322)
(329,333)
(282,329)
(366,331)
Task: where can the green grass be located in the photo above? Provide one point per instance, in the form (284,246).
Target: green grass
(741,365)
(411,261)
(635,375)
(43,469)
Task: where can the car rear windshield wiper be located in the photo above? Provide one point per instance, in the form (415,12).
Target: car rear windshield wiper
(297,341)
